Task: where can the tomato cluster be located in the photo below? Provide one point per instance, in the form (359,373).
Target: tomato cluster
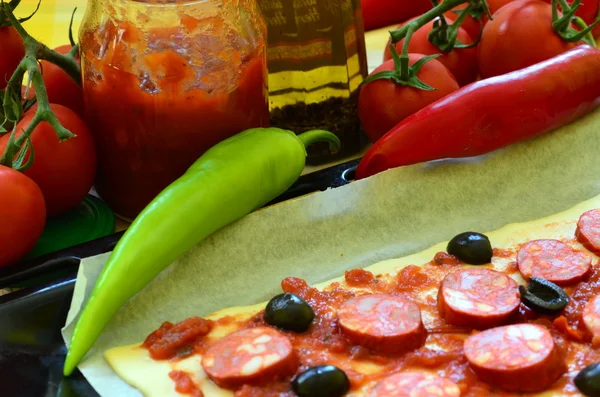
(519,34)
(62,172)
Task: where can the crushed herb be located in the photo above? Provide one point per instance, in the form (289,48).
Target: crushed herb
(336,114)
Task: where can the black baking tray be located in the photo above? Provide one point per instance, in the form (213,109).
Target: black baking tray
(32,351)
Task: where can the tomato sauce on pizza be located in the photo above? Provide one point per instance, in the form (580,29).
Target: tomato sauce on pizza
(443,328)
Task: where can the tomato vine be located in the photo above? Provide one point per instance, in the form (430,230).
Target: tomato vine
(13,106)
(444,35)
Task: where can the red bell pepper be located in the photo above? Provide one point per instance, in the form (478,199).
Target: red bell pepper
(493,113)
(380,13)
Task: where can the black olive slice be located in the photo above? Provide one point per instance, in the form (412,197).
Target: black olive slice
(588,380)
(321,381)
(543,296)
(471,247)
(289,312)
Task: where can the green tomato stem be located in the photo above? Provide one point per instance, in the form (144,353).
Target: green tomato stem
(589,37)
(40,51)
(461,17)
(404,61)
(430,15)
(11,99)
(564,4)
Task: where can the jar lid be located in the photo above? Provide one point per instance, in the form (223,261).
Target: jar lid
(89,220)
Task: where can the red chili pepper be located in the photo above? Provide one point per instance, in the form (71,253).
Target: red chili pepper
(493,113)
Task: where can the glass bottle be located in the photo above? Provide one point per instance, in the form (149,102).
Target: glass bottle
(316,61)
(163,81)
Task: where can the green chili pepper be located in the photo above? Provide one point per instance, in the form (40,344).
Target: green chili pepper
(230,180)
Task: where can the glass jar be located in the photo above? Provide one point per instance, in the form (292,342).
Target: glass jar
(316,60)
(163,81)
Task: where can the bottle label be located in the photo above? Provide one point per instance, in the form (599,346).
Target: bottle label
(308,34)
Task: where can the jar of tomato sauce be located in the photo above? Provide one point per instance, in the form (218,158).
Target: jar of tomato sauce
(163,81)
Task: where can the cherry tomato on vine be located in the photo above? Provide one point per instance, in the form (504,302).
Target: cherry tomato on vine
(12,51)
(462,62)
(471,25)
(65,170)
(495,5)
(61,88)
(520,35)
(588,11)
(382,103)
(380,13)
(22,215)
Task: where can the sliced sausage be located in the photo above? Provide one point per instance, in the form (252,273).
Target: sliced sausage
(478,298)
(518,357)
(250,356)
(591,319)
(382,322)
(415,384)
(588,230)
(554,261)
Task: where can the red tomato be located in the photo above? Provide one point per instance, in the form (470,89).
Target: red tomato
(61,88)
(12,49)
(64,171)
(471,25)
(495,5)
(520,35)
(382,103)
(461,62)
(22,215)
(380,13)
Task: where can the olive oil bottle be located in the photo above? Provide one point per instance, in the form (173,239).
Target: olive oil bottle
(316,61)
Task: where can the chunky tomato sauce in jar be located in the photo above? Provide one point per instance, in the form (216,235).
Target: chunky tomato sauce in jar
(164,80)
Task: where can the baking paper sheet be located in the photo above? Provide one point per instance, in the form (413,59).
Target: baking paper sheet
(317,237)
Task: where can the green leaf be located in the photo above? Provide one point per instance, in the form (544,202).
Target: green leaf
(575,6)
(386,74)
(28,104)
(416,67)
(417,83)
(395,57)
(25,150)
(13,108)
(572,35)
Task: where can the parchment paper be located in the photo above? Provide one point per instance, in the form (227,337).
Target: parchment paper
(317,237)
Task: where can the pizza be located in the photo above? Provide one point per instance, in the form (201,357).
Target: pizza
(511,312)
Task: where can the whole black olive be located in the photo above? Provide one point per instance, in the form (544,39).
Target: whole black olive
(588,380)
(472,248)
(321,381)
(543,296)
(289,312)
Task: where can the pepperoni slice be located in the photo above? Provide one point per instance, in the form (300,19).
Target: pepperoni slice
(250,356)
(383,323)
(588,230)
(519,357)
(591,319)
(554,261)
(478,298)
(415,384)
